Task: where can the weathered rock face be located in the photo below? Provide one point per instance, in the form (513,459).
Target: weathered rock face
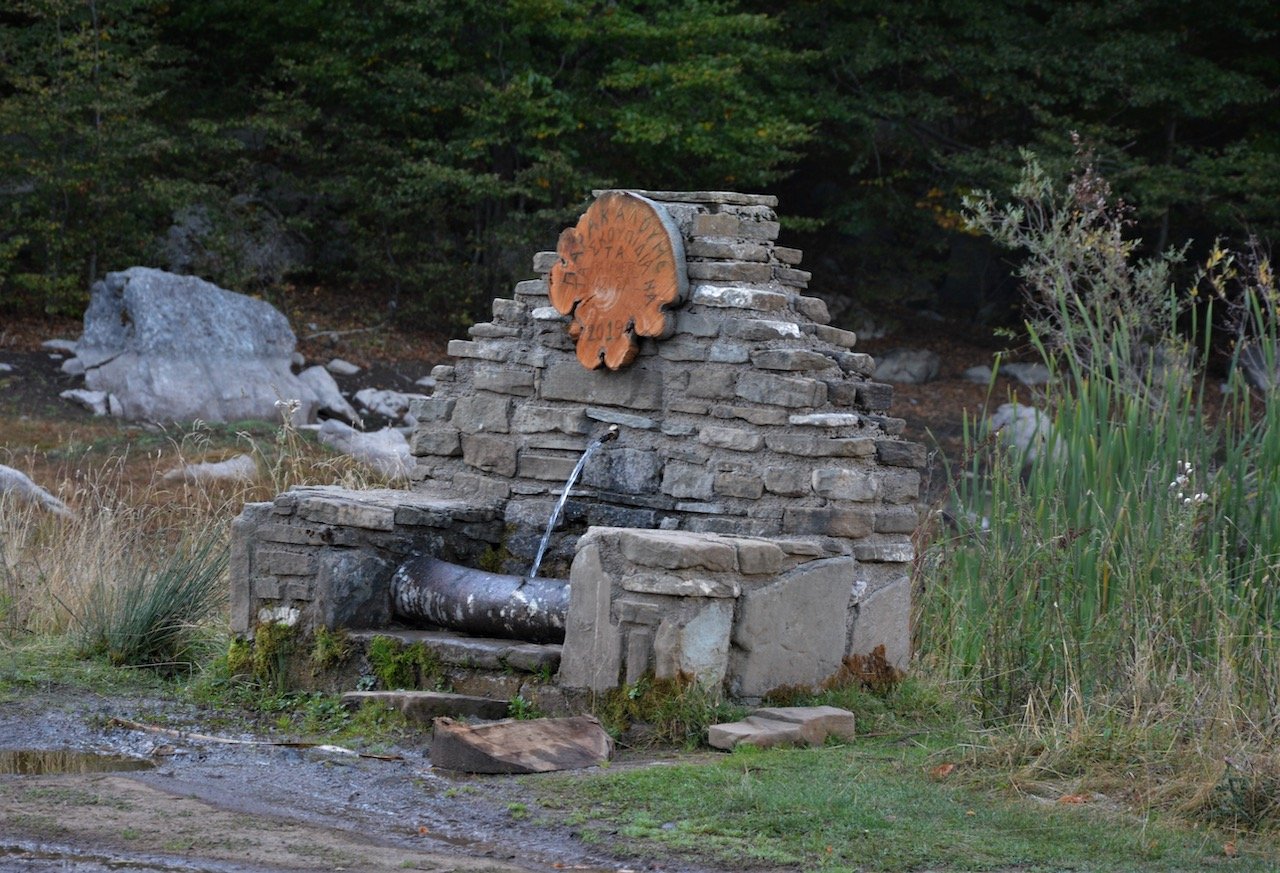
(176,348)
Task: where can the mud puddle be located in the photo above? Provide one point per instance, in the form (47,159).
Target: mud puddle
(256,809)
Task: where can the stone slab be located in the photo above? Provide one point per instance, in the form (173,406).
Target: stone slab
(762,733)
(538,745)
(423,707)
(833,721)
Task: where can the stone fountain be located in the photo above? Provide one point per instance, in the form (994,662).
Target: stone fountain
(749,527)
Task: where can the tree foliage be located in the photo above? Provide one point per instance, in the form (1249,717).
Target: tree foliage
(418,151)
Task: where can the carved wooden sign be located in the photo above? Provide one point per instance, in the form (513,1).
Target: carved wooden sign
(619,266)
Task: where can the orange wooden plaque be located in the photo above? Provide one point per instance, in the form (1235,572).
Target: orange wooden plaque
(619,266)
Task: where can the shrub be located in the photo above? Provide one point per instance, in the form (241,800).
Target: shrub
(152,619)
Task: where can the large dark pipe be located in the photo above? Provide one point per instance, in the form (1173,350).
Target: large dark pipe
(436,592)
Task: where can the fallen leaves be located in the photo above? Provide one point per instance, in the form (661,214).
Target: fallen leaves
(942,771)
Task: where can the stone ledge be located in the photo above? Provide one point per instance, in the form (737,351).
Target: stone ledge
(732,198)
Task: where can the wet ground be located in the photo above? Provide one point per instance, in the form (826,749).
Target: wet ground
(243,808)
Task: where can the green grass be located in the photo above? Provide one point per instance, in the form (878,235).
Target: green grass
(870,805)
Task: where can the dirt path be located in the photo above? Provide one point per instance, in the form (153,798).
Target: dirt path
(214,807)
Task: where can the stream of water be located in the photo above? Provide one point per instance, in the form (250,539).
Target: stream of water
(610,434)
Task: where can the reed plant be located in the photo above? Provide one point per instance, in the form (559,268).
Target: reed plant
(1124,580)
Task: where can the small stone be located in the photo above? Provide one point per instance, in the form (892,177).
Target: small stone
(94,401)
(791,359)
(340,367)
(839,483)
(836,336)
(908,366)
(762,329)
(831,720)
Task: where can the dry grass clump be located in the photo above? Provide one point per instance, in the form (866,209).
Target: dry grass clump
(139,573)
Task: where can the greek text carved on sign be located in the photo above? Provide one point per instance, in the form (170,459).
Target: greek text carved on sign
(619,266)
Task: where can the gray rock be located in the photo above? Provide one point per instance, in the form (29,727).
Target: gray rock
(694,642)
(241,468)
(763,733)
(16,485)
(59,345)
(341,367)
(980,374)
(328,397)
(177,348)
(385,402)
(96,402)
(1026,430)
(1253,361)
(386,450)
(908,366)
(6,368)
(784,725)
(1027,374)
(73,367)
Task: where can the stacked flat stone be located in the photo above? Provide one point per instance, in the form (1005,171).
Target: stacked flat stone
(755,418)
(322,555)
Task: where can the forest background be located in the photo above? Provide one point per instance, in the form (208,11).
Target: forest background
(416,152)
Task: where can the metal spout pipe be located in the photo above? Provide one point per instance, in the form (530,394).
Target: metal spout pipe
(427,589)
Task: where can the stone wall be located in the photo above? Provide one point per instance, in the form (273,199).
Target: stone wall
(755,418)
(751,525)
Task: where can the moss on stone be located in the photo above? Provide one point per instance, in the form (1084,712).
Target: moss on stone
(399,666)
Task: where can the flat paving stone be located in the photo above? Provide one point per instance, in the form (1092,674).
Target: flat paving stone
(425,706)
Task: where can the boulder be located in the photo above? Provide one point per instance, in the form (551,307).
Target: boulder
(177,348)
(1027,374)
(327,394)
(1026,430)
(908,366)
(16,485)
(386,450)
(241,468)
(387,403)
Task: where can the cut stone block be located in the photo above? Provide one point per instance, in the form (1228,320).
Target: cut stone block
(425,706)
(763,733)
(695,643)
(535,746)
(833,721)
(784,725)
(792,632)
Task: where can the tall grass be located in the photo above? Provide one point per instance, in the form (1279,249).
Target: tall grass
(138,575)
(1128,577)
